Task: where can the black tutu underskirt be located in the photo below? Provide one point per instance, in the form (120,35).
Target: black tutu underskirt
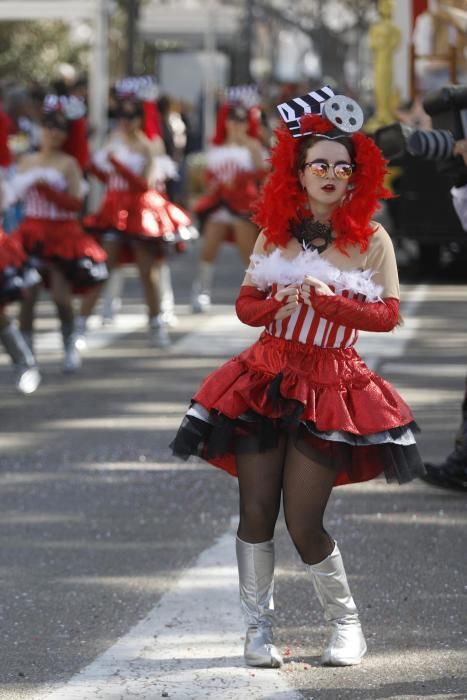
(15,281)
(82,273)
(219,440)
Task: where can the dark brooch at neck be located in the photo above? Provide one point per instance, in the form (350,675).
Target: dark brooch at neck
(312,234)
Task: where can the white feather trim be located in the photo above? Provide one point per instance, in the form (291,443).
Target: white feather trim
(101,160)
(165,168)
(221,157)
(22,182)
(266,270)
(131,159)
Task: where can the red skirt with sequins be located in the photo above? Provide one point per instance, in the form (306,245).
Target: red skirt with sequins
(67,245)
(138,214)
(335,409)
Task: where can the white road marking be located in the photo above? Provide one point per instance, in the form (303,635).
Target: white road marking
(189,646)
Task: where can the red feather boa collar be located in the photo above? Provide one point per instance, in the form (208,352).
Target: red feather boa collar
(282,199)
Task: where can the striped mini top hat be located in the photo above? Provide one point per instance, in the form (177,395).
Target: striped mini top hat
(342,111)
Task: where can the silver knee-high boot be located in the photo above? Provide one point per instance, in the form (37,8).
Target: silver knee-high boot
(256,574)
(27,374)
(346,646)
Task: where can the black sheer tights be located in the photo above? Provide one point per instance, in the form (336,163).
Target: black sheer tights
(306,486)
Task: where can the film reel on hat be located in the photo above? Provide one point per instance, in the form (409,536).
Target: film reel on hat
(344,113)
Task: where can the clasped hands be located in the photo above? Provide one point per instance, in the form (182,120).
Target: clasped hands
(296,294)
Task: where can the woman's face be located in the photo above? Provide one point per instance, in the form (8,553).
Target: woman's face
(237,129)
(326,189)
(53,137)
(129,119)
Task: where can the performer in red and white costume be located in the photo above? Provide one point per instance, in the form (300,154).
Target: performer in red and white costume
(299,412)
(17,278)
(236,166)
(49,183)
(133,214)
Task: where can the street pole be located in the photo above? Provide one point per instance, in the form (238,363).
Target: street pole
(99,82)
(249,37)
(209,72)
(132,20)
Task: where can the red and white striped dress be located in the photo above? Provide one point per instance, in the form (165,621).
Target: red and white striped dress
(135,212)
(53,233)
(304,376)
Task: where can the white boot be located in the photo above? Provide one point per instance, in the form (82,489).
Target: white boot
(112,297)
(167,296)
(158,333)
(81,330)
(72,359)
(201,290)
(28,377)
(256,577)
(347,645)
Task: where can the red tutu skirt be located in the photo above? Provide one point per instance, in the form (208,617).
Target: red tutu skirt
(140,214)
(66,244)
(338,411)
(17,275)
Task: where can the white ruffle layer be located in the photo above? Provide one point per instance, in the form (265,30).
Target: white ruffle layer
(266,270)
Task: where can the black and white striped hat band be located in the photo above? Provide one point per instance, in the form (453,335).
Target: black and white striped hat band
(343,112)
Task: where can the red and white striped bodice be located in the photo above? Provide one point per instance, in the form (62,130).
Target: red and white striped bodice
(37,206)
(133,160)
(308,327)
(276,271)
(224,163)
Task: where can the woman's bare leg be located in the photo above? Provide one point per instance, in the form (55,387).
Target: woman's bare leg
(246,234)
(214,234)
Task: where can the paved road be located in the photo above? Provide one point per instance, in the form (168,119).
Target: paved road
(118,563)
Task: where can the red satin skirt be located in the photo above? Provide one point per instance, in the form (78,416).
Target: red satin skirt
(139,214)
(11,252)
(67,245)
(337,410)
(52,239)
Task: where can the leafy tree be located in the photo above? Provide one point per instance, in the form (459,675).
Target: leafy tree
(30,51)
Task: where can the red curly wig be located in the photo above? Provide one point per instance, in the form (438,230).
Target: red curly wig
(282,199)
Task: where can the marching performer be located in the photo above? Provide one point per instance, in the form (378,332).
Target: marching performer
(299,412)
(236,165)
(50,185)
(134,217)
(17,278)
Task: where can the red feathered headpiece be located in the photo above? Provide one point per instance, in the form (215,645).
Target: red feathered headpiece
(253,115)
(74,110)
(282,199)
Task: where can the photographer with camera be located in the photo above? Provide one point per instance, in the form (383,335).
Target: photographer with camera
(452,473)
(443,152)
(459,194)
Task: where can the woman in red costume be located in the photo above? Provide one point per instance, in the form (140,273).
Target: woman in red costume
(17,278)
(299,412)
(236,165)
(49,182)
(133,214)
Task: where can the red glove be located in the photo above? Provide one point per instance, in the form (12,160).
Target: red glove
(101,175)
(254,308)
(361,315)
(61,199)
(137,182)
